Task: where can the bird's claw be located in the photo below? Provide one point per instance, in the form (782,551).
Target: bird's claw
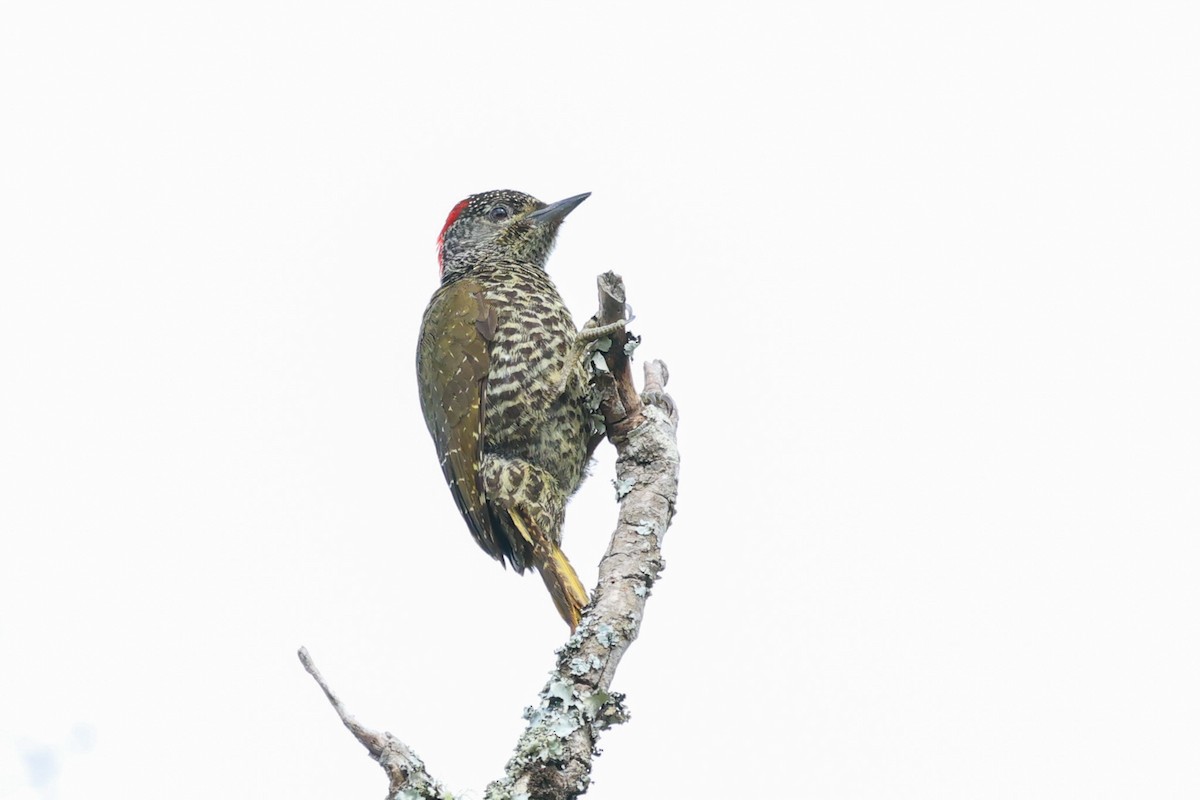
(591,332)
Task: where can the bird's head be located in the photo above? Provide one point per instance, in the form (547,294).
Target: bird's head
(501,226)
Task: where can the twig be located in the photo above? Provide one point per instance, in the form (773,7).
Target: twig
(620,404)
(407,778)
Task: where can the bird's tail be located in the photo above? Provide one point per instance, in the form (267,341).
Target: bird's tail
(557,573)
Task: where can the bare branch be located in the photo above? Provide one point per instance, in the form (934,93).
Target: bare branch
(407,778)
(655,393)
(620,404)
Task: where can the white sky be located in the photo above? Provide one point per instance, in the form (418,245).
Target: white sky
(927,281)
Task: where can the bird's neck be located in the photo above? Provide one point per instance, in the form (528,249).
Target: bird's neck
(497,271)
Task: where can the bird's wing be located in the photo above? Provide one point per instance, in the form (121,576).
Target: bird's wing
(452,368)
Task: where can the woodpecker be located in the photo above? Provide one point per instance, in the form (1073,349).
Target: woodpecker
(504,386)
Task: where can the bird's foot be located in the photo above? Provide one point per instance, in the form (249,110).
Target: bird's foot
(591,332)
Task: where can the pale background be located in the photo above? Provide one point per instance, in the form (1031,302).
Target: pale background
(926,276)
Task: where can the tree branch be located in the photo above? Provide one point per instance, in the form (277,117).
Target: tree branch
(553,758)
(407,778)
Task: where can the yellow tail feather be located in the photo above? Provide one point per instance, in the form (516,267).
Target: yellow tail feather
(566,590)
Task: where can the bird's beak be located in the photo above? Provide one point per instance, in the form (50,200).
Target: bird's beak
(554,213)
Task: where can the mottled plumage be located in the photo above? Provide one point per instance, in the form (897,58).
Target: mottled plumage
(503,385)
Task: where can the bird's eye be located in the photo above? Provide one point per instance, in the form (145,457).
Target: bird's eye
(499,212)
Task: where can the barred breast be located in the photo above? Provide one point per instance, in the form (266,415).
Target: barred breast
(533,410)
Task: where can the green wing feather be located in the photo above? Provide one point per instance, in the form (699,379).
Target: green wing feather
(452,369)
